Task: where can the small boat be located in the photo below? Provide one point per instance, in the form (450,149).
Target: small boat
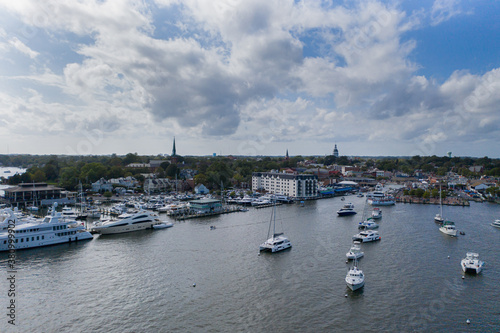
(438,218)
(355,251)
(366,236)
(471,263)
(376,213)
(347,209)
(496,223)
(365,225)
(448,228)
(163,225)
(360,195)
(355,279)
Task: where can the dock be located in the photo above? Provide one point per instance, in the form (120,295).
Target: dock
(188,216)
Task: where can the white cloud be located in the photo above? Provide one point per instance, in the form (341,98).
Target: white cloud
(443,10)
(238,71)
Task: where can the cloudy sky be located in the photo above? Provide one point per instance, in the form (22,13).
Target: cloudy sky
(252,77)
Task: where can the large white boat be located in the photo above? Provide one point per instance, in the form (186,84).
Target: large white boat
(277,241)
(127,222)
(355,251)
(377,193)
(471,263)
(448,228)
(366,236)
(355,279)
(347,209)
(68,213)
(50,230)
(496,223)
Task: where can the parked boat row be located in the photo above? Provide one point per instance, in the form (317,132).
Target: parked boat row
(62,227)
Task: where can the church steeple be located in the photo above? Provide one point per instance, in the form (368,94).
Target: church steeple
(286,156)
(173,149)
(335,151)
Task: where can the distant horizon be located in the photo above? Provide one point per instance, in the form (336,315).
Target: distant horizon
(251,156)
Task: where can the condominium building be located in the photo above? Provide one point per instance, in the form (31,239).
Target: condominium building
(292,185)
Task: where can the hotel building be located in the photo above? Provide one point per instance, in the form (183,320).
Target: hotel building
(292,185)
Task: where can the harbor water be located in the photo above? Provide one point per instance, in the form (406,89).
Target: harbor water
(191,278)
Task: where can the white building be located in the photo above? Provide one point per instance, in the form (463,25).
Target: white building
(295,186)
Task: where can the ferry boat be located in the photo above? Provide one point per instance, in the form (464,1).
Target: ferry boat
(50,230)
(127,222)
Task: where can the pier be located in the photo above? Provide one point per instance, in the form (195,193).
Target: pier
(187,216)
(433,201)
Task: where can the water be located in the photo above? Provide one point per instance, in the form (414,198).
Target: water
(143,281)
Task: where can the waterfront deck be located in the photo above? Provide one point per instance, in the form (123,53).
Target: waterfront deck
(433,201)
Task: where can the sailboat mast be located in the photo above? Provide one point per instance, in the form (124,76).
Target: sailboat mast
(440,200)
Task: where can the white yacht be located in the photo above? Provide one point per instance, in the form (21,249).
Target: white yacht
(448,228)
(127,222)
(368,224)
(377,193)
(376,213)
(496,223)
(367,236)
(246,200)
(471,263)
(278,241)
(355,279)
(355,251)
(385,201)
(68,213)
(51,230)
(347,209)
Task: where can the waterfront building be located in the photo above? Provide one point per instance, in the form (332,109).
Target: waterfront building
(33,194)
(297,186)
(203,206)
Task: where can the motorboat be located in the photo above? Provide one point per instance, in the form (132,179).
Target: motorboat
(366,236)
(163,225)
(368,224)
(52,229)
(471,263)
(347,209)
(376,213)
(355,279)
(355,251)
(277,241)
(127,222)
(448,228)
(360,195)
(68,213)
(438,218)
(496,223)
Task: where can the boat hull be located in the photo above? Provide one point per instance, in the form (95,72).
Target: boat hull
(353,256)
(345,213)
(123,229)
(452,233)
(355,287)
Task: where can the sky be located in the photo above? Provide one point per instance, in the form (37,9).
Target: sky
(241,77)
